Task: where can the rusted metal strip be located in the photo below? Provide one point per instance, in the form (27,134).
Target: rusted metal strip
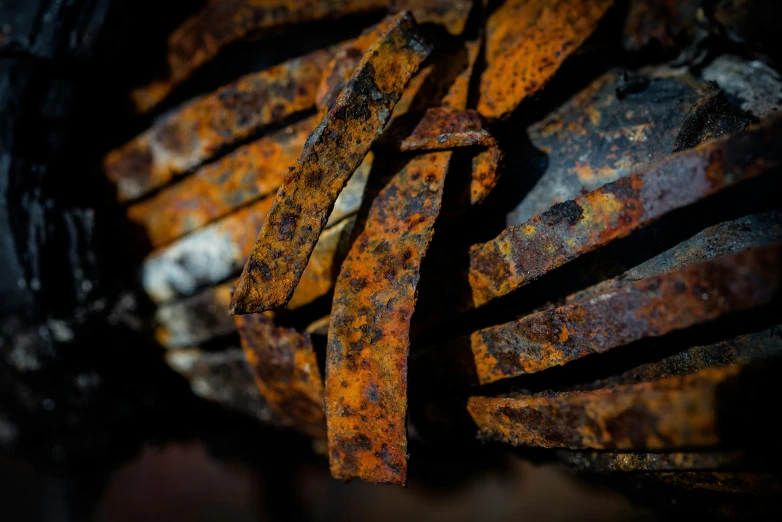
(450,14)
(286,371)
(672,413)
(648,308)
(610,462)
(374,298)
(219,24)
(201,317)
(191,135)
(524,252)
(222,377)
(330,156)
(525,51)
(252,171)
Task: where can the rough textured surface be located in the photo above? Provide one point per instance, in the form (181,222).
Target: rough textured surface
(524,252)
(616,125)
(450,14)
(286,370)
(219,24)
(250,172)
(192,134)
(330,156)
(671,413)
(609,462)
(753,83)
(526,44)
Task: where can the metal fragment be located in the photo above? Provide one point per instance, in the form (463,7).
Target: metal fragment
(374,298)
(610,462)
(218,24)
(202,317)
(710,118)
(331,154)
(672,413)
(192,134)
(753,83)
(524,52)
(286,371)
(450,14)
(250,172)
(524,252)
(647,308)
(444,128)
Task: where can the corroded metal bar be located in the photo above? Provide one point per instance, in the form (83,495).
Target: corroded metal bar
(526,44)
(219,24)
(250,172)
(651,307)
(366,364)
(203,316)
(286,371)
(524,252)
(191,135)
(610,462)
(671,413)
(330,156)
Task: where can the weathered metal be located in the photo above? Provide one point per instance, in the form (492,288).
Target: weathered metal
(524,252)
(650,307)
(450,14)
(610,462)
(192,134)
(526,44)
(665,26)
(672,413)
(286,371)
(202,316)
(214,190)
(218,24)
(331,154)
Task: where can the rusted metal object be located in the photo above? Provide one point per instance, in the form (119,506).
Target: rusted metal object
(218,24)
(647,308)
(250,172)
(450,14)
(331,154)
(524,252)
(202,316)
(610,462)
(672,413)
(186,138)
(616,125)
(666,26)
(445,128)
(366,364)
(286,370)
(710,118)
(526,44)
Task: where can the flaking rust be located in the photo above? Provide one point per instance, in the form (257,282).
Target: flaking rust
(375,294)
(218,24)
(194,133)
(527,43)
(523,253)
(650,307)
(672,413)
(330,156)
(250,172)
(286,371)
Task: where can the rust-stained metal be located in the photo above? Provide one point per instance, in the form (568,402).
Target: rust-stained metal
(524,252)
(450,14)
(526,44)
(610,462)
(710,118)
(330,156)
(252,171)
(667,26)
(286,371)
(202,316)
(219,24)
(374,298)
(672,413)
(647,308)
(445,128)
(192,134)
(616,125)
